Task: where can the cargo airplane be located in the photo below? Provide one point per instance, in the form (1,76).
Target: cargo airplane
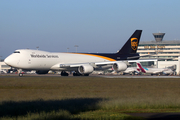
(81,63)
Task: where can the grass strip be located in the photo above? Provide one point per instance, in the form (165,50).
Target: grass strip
(86,98)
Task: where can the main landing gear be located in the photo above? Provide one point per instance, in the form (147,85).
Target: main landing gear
(64,73)
(78,74)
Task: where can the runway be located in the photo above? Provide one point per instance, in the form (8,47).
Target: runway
(92,75)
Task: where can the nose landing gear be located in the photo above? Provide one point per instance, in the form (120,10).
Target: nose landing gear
(20,72)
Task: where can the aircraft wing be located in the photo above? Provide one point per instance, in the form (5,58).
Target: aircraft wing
(80,64)
(169,71)
(91,63)
(86,68)
(155,72)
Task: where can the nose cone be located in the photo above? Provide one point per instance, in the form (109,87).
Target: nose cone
(11,61)
(8,61)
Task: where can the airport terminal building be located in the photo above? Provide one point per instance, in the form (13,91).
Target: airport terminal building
(166,53)
(167,50)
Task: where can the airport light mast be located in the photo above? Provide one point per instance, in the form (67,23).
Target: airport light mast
(0,64)
(76,47)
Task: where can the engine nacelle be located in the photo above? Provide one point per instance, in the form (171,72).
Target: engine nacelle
(119,66)
(42,71)
(85,69)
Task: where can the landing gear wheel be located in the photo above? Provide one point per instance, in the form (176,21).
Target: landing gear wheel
(76,74)
(86,74)
(63,73)
(20,74)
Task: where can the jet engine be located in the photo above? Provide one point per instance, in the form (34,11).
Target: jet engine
(119,66)
(42,71)
(85,69)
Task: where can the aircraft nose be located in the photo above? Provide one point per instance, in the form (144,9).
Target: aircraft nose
(7,61)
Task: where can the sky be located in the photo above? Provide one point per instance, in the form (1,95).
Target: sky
(93,25)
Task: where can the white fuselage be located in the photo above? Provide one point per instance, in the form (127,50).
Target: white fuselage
(158,70)
(154,70)
(42,60)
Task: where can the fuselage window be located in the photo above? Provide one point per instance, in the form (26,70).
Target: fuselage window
(16,51)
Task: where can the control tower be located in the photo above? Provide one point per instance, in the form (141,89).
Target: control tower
(158,36)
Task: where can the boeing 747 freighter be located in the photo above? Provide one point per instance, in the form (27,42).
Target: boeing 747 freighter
(81,63)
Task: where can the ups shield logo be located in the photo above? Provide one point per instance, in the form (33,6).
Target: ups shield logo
(134,43)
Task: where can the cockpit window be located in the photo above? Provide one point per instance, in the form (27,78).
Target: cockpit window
(16,51)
